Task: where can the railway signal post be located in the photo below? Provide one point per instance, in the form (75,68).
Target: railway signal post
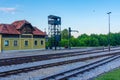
(69,36)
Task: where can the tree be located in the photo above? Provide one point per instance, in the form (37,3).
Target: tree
(103,40)
(74,42)
(82,36)
(64,42)
(89,40)
(64,34)
(93,41)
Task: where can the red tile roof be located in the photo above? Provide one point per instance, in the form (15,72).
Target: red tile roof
(13,28)
(8,29)
(19,24)
(38,32)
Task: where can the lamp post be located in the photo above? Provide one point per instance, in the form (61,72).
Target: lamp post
(109,30)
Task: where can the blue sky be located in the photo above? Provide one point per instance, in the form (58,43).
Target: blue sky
(86,16)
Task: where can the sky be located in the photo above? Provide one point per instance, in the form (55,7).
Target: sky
(86,16)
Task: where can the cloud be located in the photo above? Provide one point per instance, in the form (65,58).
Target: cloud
(8,9)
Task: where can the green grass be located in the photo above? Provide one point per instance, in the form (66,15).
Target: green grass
(113,75)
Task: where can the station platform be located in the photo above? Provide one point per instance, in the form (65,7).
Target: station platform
(13,54)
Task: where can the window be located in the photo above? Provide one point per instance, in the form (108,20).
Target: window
(6,43)
(41,42)
(15,43)
(35,43)
(26,43)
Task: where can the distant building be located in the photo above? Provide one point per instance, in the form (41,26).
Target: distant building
(21,35)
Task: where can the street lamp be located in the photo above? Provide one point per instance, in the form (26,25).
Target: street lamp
(109,30)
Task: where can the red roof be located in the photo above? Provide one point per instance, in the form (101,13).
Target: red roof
(38,32)
(8,29)
(13,28)
(19,24)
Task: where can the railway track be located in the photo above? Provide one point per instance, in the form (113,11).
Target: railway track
(26,59)
(23,70)
(74,72)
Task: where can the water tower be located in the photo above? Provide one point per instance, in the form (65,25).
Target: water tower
(54,30)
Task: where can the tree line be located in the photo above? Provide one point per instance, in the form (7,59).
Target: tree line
(92,40)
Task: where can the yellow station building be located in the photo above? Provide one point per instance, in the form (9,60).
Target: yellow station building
(21,35)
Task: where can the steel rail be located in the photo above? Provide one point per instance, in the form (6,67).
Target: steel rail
(26,59)
(81,69)
(16,71)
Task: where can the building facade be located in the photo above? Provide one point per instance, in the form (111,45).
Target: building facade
(21,35)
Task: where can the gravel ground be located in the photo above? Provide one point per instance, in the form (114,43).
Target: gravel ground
(12,67)
(12,54)
(41,73)
(37,74)
(97,71)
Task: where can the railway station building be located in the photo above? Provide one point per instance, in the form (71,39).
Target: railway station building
(21,35)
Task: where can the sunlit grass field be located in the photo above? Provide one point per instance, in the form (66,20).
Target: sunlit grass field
(113,75)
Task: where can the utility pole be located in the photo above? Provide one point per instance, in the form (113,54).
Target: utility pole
(109,30)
